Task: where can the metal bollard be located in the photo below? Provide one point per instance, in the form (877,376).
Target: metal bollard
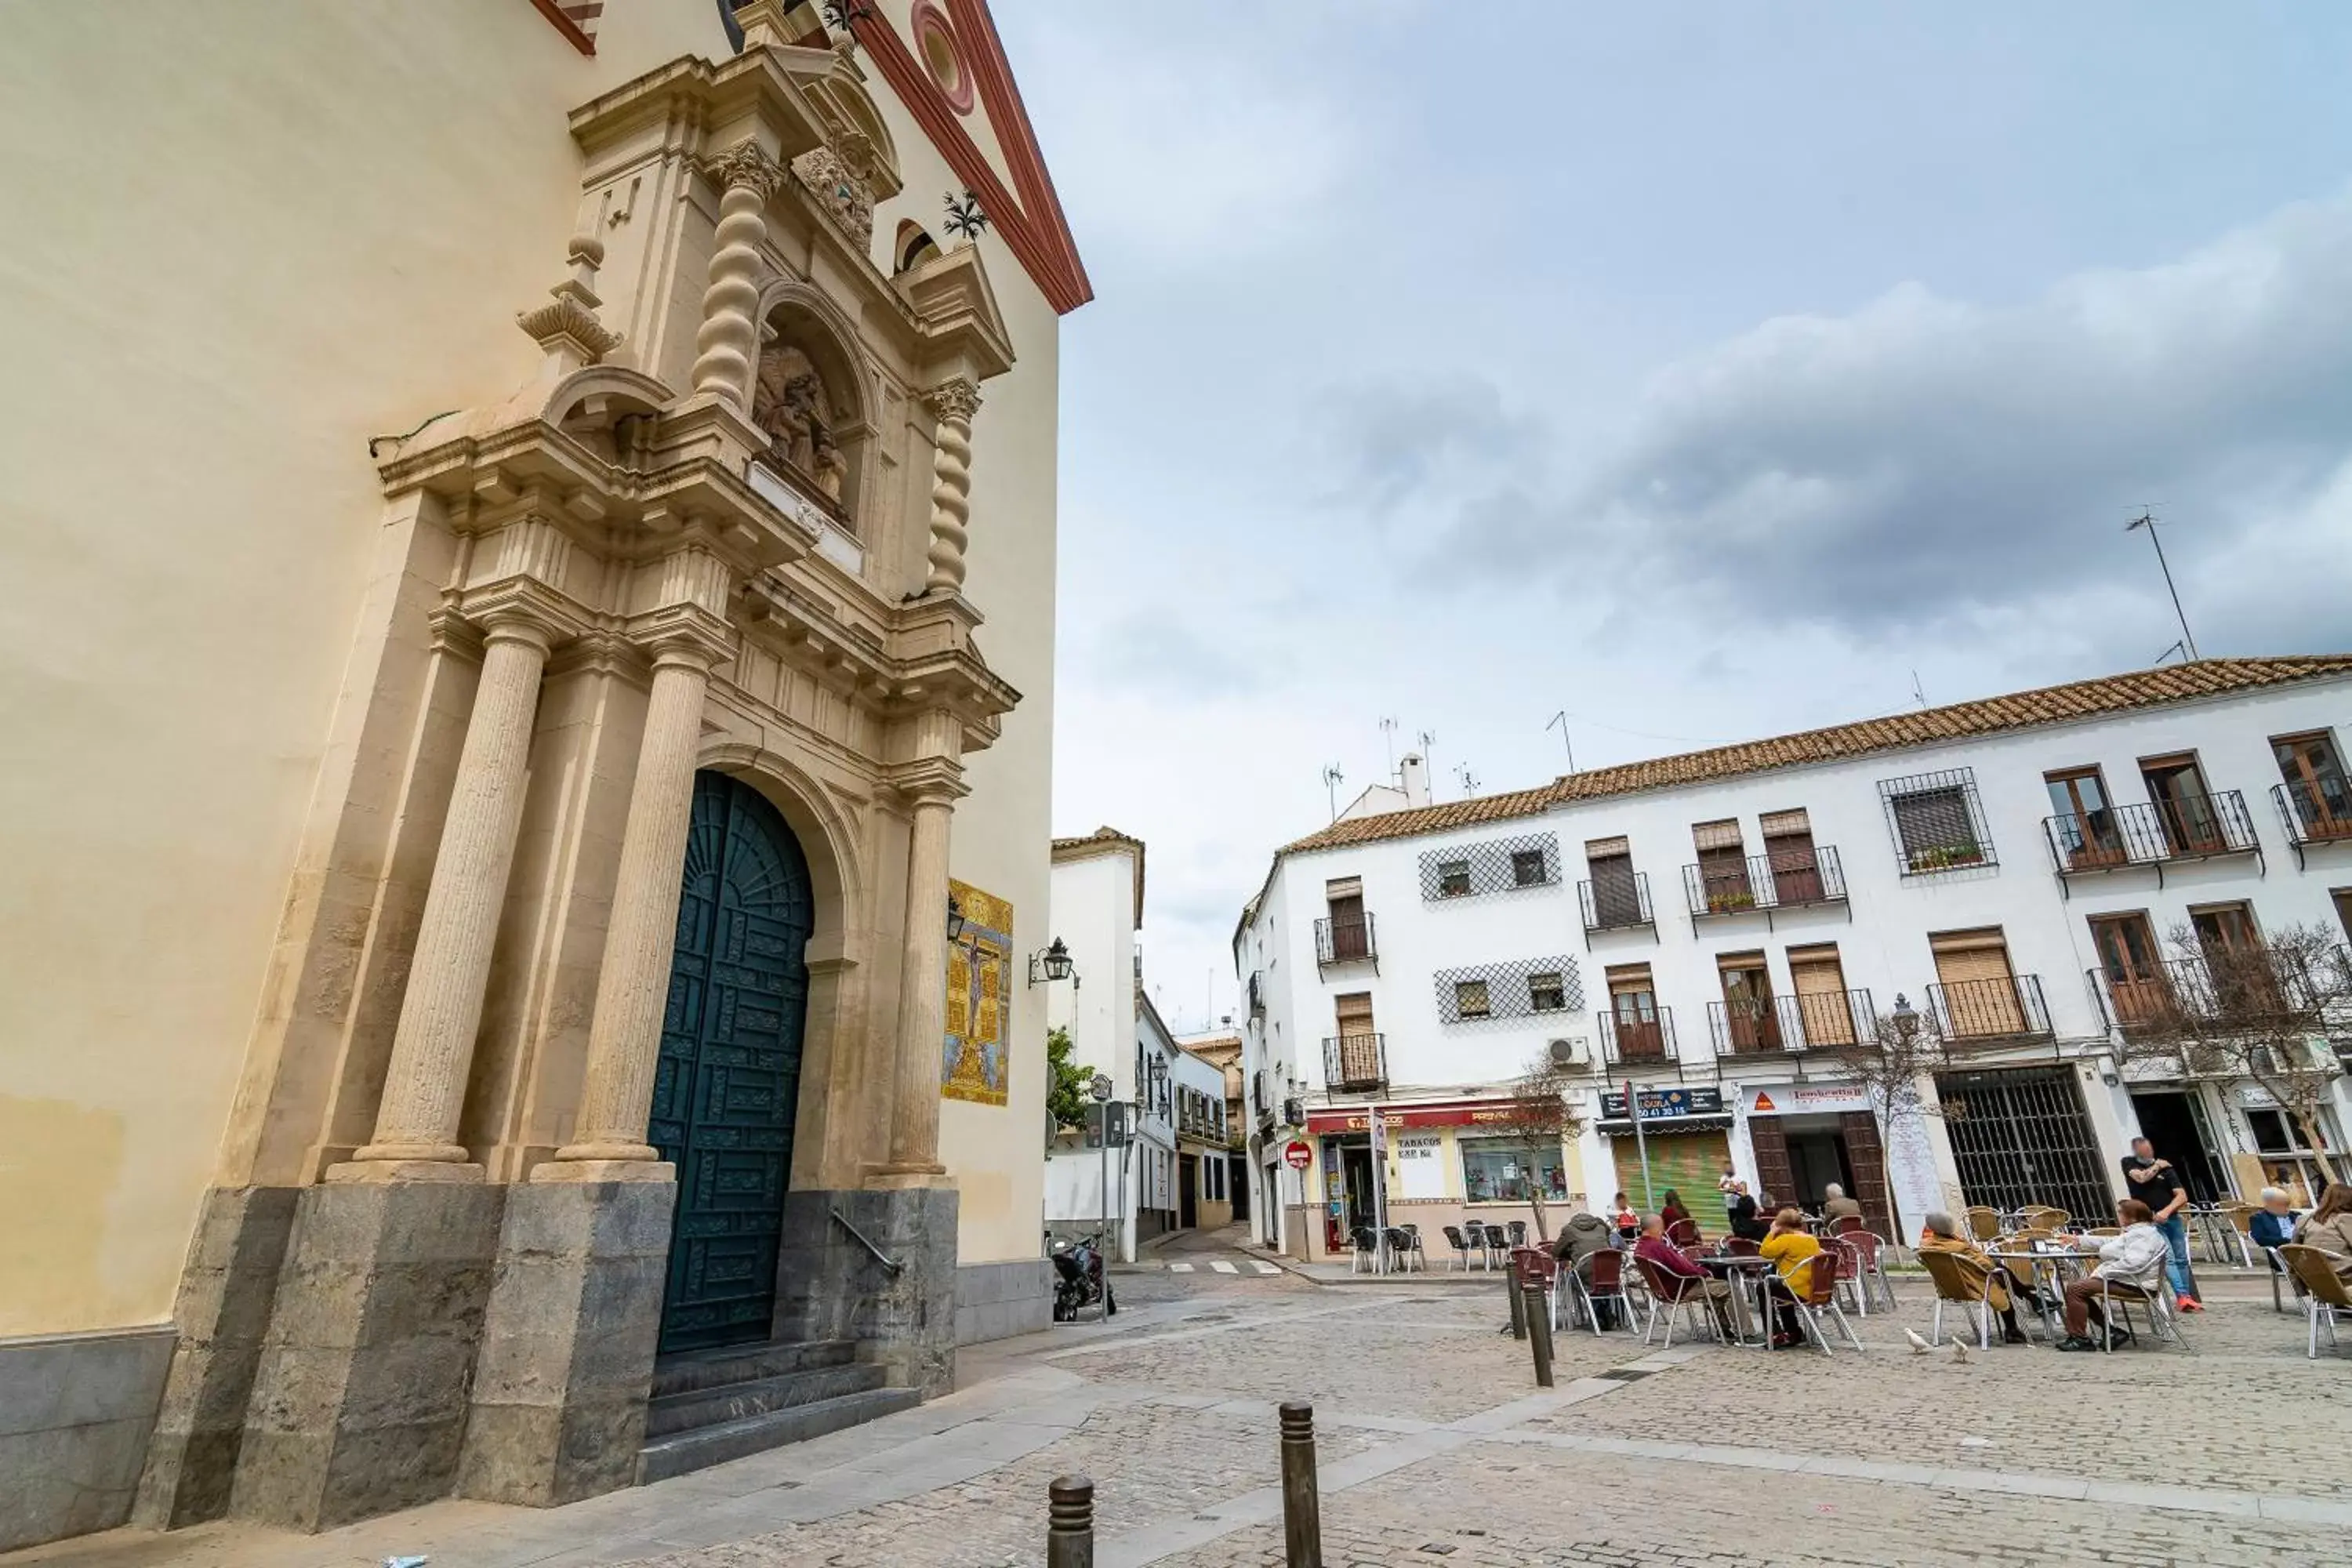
(1538,1330)
(1302,1512)
(1518,1307)
(1070,1523)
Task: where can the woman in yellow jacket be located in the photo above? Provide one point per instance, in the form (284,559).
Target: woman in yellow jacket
(1791,1247)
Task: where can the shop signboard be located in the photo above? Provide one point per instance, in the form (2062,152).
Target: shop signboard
(1664,1104)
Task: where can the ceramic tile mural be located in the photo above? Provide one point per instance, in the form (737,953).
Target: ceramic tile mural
(972,1062)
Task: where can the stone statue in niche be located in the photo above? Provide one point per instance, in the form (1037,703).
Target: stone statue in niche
(789,402)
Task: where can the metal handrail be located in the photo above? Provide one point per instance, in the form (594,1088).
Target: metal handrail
(880,1256)
(1356,1061)
(2191,827)
(1780,879)
(2008,1008)
(1607,906)
(1340,939)
(1637,1039)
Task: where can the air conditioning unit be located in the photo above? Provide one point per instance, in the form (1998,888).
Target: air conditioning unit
(1570,1053)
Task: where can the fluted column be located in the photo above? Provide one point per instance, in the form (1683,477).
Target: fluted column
(953,404)
(728,341)
(432,1049)
(632,984)
(923,993)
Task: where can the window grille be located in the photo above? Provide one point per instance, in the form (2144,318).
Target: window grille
(1496,865)
(1937,821)
(1525,988)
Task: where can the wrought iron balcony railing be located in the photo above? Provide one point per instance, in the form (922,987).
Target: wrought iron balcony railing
(1783,880)
(1346,939)
(1353,1062)
(2191,827)
(2187,992)
(1616,902)
(1813,1020)
(1974,1011)
(1637,1039)
(2322,815)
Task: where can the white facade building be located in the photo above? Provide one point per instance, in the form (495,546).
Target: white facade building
(1713,926)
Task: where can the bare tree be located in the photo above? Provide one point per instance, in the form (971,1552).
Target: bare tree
(1892,1063)
(2257,1011)
(1536,1122)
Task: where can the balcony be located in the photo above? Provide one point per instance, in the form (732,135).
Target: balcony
(1346,939)
(2184,993)
(1619,902)
(1355,1063)
(1815,1020)
(2313,816)
(1990,1012)
(1637,1042)
(1786,880)
(2191,827)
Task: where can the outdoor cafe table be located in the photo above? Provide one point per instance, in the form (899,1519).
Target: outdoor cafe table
(1755,1331)
(2060,1262)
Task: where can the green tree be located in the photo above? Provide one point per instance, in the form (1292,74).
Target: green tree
(1067,1082)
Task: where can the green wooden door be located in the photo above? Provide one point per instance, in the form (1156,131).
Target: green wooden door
(729,1080)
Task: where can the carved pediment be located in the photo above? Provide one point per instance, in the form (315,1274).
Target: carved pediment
(961,327)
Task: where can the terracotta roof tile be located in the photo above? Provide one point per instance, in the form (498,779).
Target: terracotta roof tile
(1957,721)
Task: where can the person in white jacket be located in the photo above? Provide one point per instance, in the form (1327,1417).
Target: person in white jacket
(2127,1258)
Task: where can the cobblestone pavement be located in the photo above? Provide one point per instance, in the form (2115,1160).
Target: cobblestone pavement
(1435,1447)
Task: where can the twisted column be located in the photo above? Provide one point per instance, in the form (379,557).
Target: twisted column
(632,984)
(922,991)
(433,1047)
(953,404)
(728,341)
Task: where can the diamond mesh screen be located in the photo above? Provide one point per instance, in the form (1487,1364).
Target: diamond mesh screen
(1524,988)
(1495,866)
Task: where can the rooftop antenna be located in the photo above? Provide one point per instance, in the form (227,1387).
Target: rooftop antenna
(2178,646)
(1388,737)
(1466,779)
(1560,718)
(1331,777)
(2146,520)
(1918,692)
(1429,750)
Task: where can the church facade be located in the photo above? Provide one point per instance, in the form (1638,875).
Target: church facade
(531,652)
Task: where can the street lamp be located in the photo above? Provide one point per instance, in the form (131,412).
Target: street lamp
(1907,1017)
(1052,964)
(955,918)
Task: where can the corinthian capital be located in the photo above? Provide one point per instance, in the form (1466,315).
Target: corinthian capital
(745,165)
(957,400)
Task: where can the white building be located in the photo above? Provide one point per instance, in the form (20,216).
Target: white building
(1712,926)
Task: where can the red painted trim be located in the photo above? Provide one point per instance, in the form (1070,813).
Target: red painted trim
(1010,115)
(565,25)
(1049,261)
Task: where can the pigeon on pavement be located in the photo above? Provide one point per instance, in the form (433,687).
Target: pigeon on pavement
(1919,1345)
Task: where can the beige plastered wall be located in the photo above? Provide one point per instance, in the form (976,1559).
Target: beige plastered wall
(242,239)
(1002,834)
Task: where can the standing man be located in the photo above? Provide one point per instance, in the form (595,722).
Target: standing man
(2152,1182)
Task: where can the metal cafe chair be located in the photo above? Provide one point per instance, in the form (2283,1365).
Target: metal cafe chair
(1461,1249)
(2323,1295)
(1870,1268)
(1498,1246)
(2151,1289)
(1518,1232)
(1366,1243)
(2281,1269)
(1606,1283)
(1951,1282)
(1741,1246)
(1675,1294)
(2042,1216)
(1819,1295)
(1984,1224)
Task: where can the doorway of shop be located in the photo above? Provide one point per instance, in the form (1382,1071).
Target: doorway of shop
(2174,1123)
(1187,1177)
(1356,1163)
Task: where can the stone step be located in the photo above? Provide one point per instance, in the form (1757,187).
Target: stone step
(684,1451)
(733,1400)
(746,1364)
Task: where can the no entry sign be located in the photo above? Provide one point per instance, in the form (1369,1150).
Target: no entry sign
(1298,1155)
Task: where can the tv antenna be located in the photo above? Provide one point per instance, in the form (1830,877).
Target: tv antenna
(1918,692)
(1388,736)
(2146,520)
(1331,777)
(1466,779)
(1560,718)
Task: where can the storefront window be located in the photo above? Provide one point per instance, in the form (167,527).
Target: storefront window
(1499,1171)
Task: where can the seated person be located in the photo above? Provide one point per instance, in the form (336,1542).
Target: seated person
(1664,1255)
(2126,1258)
(2329,1228)
(1836,1205)
(1629,1224)
(1942,1234)
(1580,1236)
(1744,1221)
(1671,1213)
(1789,1247)
(2273,1225)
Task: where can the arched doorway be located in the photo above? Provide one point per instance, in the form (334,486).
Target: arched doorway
(728,1083)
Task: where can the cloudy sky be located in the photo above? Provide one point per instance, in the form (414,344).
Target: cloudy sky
(1701,371)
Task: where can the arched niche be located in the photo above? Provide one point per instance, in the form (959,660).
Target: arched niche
(810,395)
(912,247)
(607,408)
